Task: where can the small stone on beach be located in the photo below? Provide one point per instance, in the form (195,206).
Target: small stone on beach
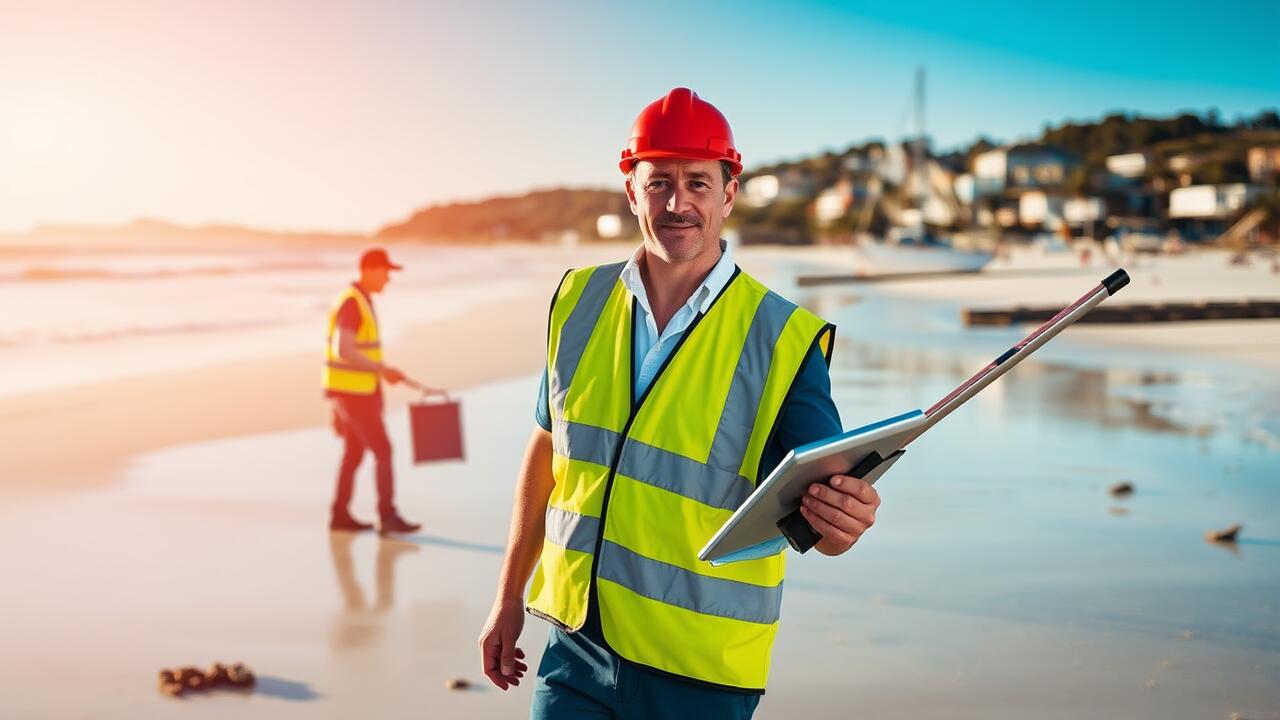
(1224,536)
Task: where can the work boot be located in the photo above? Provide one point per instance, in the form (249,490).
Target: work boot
(344,522)
(393,523)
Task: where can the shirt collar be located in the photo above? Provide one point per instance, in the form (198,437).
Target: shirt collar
(702,297)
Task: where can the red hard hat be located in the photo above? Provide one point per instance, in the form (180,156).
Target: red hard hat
(681,125)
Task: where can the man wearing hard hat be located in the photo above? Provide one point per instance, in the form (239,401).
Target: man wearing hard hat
(353,374)
(674,383)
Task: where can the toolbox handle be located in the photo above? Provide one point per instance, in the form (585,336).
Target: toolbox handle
(427,391)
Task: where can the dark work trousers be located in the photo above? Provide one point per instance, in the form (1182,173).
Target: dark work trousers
(360,418)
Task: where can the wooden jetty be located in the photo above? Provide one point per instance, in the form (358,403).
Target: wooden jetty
(813,280)
(1134,313)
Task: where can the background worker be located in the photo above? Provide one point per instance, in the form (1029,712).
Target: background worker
(353,375)
(674,383)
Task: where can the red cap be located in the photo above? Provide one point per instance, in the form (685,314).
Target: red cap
(376,258)
(681,125)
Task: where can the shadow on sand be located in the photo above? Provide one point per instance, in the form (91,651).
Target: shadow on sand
(291,690)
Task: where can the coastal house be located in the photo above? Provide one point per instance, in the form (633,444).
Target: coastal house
(864,161)
(1038,167)
(1204,212)
(795,184)
(834,202)
(1211,201)
(990,171)
(759,191)
(1130,166)
(1020,168)
(1264,164)
(1084,210)
(789,185)
(1036,208)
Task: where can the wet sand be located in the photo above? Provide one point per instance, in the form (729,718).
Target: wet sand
(1000,580)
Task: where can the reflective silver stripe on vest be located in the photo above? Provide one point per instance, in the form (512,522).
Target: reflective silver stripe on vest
(747,387)
(572,531)
(577,330)
(652,465)
(676,586)
(584,442)
(683,476)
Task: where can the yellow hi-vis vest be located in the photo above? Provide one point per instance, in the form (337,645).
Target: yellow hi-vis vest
(338,375)
(641,486)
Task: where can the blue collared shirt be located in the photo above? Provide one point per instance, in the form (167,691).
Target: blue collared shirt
(651,348)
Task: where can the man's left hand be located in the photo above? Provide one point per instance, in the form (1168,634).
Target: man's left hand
(840,511)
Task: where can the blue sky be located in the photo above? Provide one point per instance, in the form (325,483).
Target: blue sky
(347,116)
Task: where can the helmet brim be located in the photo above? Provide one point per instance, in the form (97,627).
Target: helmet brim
(629,162)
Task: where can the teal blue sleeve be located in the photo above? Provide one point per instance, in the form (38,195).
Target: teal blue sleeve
(808,415)
(542,410)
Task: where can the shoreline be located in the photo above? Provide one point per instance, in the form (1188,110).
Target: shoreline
(104,424)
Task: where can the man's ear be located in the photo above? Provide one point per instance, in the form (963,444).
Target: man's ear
(631,193)
(730,193)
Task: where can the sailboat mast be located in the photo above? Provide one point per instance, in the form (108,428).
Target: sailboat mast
(918,159)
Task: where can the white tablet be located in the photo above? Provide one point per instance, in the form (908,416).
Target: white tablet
(753,529)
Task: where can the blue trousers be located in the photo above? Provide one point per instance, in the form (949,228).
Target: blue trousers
(580,679)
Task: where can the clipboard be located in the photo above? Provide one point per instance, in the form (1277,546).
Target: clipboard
(772,513)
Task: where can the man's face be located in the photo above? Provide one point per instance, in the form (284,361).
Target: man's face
(681,205)
(374,279)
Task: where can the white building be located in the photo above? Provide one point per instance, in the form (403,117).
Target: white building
(1264,163)
(989,171)
(759,191)
(609,226)
(1210,201)
(1129,165)
(965,188)
(1083,210)
(1035,208)
(833,203)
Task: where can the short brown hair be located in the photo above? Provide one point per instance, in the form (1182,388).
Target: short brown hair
(727,170)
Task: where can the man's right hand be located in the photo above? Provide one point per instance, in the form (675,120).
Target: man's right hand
(392,375)
(499,656)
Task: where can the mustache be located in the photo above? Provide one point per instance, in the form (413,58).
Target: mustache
(670,218)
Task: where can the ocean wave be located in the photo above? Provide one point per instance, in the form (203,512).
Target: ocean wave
(55,273)
(74,337)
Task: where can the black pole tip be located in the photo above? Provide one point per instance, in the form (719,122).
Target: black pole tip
(1115,281)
